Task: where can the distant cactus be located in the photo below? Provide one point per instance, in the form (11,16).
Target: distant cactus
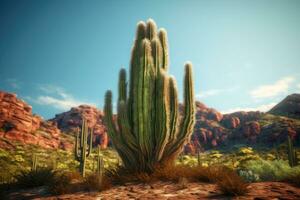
(34,162)
(83,148)
(292,154)
(198,158)
(149,130)
(100,163)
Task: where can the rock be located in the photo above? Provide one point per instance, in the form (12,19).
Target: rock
(230,122)
(17,123)
(71,120)
(290,107)
(251,130)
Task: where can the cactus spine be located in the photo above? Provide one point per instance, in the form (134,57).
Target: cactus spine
(149,131)
(292,154)
(83,148)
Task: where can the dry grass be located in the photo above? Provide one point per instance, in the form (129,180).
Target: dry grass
(182,183)
(94,182)
(60,184)
(231,184)
(169,173)
(227,180)
(293,179)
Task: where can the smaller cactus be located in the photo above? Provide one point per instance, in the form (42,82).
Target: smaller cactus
(83,147)
(198,157)
(292,154)
(100,163)
(34,162)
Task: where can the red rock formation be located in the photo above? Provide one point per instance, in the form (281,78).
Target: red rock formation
(71,120)
(230,122)
(251,130)
(17,123)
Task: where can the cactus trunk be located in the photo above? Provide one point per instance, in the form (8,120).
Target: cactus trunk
(292,154)
(83,147)
(148,130)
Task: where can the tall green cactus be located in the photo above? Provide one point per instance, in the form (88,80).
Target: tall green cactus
(83,148)
(292,154)
(149,131)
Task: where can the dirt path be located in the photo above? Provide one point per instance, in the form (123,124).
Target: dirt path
(172,191)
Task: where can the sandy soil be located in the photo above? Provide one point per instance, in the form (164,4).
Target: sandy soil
(169,191)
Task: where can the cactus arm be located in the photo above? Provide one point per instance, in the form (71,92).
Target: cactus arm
(173,96)
(122,148)
(162,34)
(188,120)
(162,114)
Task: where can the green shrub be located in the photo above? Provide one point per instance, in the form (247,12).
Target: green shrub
(248,176)
(275,170)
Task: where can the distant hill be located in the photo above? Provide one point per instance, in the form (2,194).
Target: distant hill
(289,107)
(212,129)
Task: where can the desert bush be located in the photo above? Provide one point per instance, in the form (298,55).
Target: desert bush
(60,183)
(169,173)
(34,178)
(231,184)
(293,179)
(95,182)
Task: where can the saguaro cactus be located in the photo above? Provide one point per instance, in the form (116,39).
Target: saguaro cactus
(83,148)
(292,154)
(148,130)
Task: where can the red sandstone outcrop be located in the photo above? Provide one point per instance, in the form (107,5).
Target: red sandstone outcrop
(17,123)
(71,120)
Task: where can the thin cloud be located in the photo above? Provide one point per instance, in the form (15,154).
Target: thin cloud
(57,98)
(214,92)
(14,83)
(261,108)
(279,87)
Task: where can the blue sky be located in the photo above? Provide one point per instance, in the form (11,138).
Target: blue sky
(61,53)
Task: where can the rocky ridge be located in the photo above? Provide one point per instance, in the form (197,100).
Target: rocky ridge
(17,123)
(212,128)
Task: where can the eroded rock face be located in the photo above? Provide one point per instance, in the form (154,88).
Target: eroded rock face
(17,123)
(71,120)
(207,131)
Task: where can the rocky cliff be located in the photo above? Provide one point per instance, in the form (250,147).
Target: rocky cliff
(71,120)
(17,123)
